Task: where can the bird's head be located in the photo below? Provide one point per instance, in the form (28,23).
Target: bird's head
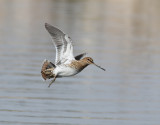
(89,61)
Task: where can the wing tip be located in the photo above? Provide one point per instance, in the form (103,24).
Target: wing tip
(47,25)
(52,30)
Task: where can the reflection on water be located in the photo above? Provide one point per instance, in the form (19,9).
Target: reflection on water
(122,36)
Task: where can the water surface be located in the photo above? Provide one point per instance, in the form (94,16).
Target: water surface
(121,36)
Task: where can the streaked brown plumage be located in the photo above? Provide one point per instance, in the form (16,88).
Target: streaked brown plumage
(65,63)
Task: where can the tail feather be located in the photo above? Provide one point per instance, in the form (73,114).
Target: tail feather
(47,67)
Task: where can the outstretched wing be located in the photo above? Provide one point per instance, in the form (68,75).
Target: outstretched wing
(78,57)
(63,44)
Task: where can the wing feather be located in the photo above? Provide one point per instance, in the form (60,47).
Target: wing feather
(78,57)
(63,45)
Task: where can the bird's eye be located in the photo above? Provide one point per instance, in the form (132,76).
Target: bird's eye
(90,60)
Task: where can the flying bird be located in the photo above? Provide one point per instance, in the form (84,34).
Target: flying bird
(65,63)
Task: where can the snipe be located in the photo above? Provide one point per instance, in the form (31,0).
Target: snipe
(65,63)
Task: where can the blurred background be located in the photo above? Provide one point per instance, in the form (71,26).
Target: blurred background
(122,36)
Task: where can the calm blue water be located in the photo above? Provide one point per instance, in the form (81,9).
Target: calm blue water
(121,36)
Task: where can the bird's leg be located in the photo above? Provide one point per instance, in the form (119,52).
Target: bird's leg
(52,81)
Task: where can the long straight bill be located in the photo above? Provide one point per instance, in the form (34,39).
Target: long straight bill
(99,67)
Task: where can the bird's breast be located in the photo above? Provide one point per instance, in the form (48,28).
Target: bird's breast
(70,69)
(65,71)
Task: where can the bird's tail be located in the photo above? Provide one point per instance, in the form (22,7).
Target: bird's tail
(47,69)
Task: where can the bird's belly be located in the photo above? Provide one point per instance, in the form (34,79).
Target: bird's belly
(65,71)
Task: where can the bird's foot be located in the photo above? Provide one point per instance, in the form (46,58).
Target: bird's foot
(52,81)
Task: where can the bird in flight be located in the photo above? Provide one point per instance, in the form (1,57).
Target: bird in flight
(65,63)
